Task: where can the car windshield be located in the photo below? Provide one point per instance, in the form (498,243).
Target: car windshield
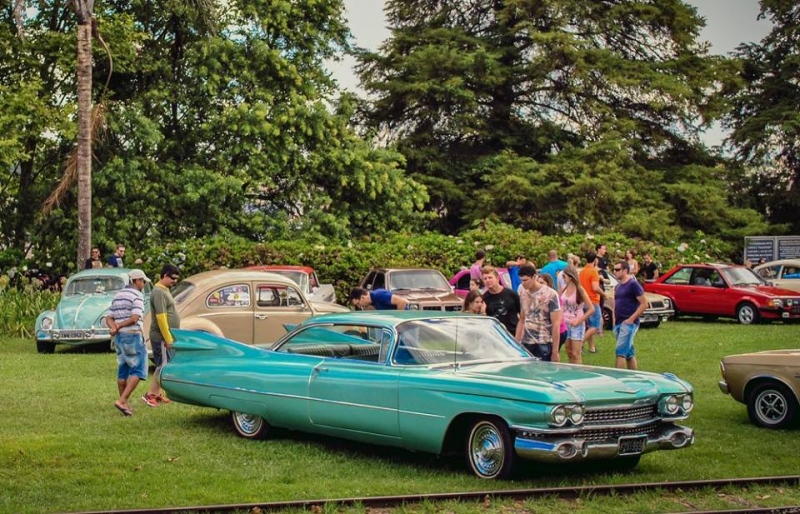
(298,277)
(94,285)
(460,340)
(741,276)
(418,279)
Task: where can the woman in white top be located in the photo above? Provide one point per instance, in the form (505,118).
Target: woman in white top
(633,264)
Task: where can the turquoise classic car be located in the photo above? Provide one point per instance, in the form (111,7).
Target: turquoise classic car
(79,318)
(435,382)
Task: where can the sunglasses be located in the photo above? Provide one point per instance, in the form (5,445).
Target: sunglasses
(617,269)
(174,277)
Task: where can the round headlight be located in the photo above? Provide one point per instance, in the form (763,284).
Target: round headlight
(559,416)
(576,414)
(103,323)
(47,323)
(413,306)
(667,303)
(687,403)
(671,404)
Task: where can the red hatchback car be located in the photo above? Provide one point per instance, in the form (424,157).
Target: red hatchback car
(725,290)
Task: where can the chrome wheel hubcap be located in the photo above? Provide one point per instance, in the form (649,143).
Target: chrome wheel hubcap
(486,450)
(247,423)
(746,315)
(771,407)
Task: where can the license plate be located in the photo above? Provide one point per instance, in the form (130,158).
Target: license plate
(71,334)
(632,445)
(649,317)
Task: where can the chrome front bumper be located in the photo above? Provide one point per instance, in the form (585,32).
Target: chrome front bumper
(723,386)
(74,336)
(555,449)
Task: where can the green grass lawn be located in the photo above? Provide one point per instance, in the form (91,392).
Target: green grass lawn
(63,446)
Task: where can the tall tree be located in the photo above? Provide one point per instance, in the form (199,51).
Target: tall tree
(84,10)
(765,116)
(460,83)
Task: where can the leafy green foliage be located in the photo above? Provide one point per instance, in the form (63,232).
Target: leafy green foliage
(764,116)
(19,306)
(554,116)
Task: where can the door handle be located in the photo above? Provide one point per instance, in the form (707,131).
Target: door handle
(261,316)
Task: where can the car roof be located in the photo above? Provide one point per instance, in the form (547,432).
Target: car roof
(281,267)
(404,269)
(102,272)
(386,317)
(794,262)
(218,275)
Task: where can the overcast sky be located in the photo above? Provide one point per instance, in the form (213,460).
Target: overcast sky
(728,23)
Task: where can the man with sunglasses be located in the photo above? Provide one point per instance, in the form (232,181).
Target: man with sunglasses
(164,319)
(629,304)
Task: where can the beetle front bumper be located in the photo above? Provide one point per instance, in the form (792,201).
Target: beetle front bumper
(573,449)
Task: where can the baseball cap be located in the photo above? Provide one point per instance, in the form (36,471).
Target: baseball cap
(136,274)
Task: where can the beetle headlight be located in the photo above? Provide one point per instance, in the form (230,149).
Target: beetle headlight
(47,323)
(576,414)
(687,403)
(413,306)
(102,323)
(558,416)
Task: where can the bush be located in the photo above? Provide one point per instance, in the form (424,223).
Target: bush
(19,306)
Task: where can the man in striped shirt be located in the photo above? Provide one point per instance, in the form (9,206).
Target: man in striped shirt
(125,319)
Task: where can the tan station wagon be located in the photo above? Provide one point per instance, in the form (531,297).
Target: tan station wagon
(767,382)
(252,307)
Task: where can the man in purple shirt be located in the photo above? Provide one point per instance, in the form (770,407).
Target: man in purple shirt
(629,304)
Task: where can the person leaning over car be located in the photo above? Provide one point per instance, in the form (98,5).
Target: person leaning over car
(379,299)
(164,319)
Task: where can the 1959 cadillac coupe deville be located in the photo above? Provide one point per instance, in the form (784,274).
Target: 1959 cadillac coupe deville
(434,382)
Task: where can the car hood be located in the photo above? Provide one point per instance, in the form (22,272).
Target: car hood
(433,296)
(81,311)
(769,357)
(564,383)
(772,291)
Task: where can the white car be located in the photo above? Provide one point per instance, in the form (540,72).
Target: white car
(783,273)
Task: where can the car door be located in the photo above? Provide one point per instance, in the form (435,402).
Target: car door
(701,296)
(276,306)
(353,395)
(230,309)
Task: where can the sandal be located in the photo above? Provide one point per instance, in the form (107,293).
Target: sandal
(123,409)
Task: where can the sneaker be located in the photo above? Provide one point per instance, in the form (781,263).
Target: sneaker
(163,399)
(150,400)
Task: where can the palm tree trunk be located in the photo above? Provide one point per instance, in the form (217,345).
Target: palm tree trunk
(84,140)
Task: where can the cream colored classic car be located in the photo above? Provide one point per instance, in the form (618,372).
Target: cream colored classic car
(767,382)
(251,307)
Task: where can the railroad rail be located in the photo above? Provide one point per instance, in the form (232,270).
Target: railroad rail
(559,492)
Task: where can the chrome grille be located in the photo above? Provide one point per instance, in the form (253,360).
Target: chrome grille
(453,308)
(619,415)
(431,308)
(656,305)
(612,434)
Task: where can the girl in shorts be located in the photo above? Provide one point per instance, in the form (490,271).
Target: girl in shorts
(573,300)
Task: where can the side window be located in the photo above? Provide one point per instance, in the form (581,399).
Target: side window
(312,280)
(380,281)
(680,277)
(230,296)
(354,342)
(369,280)
(769,272)
(463,281)
(278,296)
(791,273)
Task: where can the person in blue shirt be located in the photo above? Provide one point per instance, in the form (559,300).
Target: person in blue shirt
(553,266)
(513,271)
(379,299)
